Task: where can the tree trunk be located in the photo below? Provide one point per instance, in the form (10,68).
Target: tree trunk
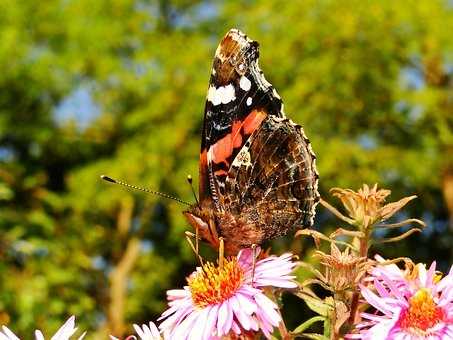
(447,190)
(120,275)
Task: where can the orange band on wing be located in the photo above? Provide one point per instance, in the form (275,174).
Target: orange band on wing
(236,133)
(221,150)
(253,121)
(203,185)
(247,126)
(203,159)
(220,172)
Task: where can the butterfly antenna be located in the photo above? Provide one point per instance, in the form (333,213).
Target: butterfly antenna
(127,185)
(189,180)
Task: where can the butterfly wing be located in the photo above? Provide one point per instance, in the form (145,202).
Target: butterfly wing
(237,86)
(257,169)
(272,184)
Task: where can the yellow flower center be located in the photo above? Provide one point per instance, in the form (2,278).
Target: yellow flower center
(422,313)
(212,284)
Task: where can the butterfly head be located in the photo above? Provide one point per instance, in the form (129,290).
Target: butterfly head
(201,218)
(205,221)
(234,56)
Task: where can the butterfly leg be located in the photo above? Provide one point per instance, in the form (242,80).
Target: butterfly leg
(197,237)
(253,261)
(189,237)
(221,252)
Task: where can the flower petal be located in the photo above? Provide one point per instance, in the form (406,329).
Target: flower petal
(65,331)
(243,318)
(210,328)
(267,309)
(39,335)
(8,334)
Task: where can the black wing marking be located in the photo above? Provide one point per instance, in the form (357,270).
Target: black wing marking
(236,88)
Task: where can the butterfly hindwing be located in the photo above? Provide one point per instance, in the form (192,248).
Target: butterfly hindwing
(272,183)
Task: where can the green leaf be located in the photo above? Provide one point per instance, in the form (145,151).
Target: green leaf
(314,336)
(302,327)
(316,305)
(327,327)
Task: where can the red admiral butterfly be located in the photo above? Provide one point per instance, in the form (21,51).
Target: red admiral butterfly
(258,177)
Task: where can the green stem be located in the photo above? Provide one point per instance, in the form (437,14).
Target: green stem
(283,330)
(333,320)
(281,326)
(363,252)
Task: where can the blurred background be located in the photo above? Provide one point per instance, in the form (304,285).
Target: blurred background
(118,87)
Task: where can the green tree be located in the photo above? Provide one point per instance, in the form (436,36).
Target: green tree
(370,82)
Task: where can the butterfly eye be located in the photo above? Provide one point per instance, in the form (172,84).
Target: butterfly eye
(241,67)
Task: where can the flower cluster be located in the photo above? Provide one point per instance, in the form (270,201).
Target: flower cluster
(219,300)
(403,306)
(363,297)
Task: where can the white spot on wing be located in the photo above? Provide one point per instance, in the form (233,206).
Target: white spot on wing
(243,158)
(228,94)
(249,101)
(221,95)
(209,155)
(244,83)
(212,96)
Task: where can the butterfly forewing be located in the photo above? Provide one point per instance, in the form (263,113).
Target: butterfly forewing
(236,88)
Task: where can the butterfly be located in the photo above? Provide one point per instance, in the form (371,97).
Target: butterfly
(257,176)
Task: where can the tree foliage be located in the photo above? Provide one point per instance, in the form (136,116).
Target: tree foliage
(118,87)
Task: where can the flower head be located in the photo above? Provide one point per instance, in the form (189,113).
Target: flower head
(366,206)
(223,299)
(64,333)
(410,304)
(366,210)
(211,284)
(343,270)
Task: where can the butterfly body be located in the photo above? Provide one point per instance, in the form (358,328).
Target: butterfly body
(258,178)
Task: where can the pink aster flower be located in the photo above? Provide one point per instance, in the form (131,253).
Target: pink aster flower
(64,333)
(223,299)
(410,305)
